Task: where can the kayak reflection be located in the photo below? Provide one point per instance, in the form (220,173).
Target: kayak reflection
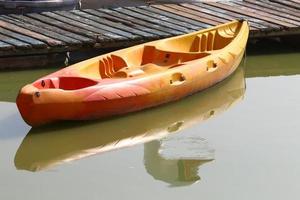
(46,147)
(179,166)
(177,158)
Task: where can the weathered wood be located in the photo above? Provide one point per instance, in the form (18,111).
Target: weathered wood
(264,15)
(276,7)
(16,43)
(78,32)
(286,17)
(255,23)
(149,12)
(18,29)
(98,33)
(185,14)
(48,26)
(129,21)
(162,31)
(115,25)
(243,13)
(107,30)
(64,39)
(287,3)
(166,27)
(206,9)
(296,1)
(160,18)
(287,8)
(5,46)
(33,42)
(199,16)
(176,22)
(185,26)
(198,25)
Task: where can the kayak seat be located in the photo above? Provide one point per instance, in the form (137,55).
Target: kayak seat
(128,72)
(213,40)
(104,67)
(168,59)
(155,60)
(152,60)
(109,65)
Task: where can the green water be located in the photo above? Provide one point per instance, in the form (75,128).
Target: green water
(236,140)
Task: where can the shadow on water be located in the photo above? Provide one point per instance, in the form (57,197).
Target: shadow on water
(272,65)
(274,45)
(273,57)
(46,147)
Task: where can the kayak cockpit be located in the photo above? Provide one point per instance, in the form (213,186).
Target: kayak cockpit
(65,83)
(159,56)
(152,60)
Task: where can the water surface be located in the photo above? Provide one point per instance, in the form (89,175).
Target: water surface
(236,140)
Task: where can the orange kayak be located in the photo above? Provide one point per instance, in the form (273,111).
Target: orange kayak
(36,151)
(137,77)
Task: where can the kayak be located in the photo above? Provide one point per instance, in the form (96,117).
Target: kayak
(137,77)
(36,152)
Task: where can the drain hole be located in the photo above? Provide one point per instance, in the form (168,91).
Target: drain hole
(177,78)
(211,65)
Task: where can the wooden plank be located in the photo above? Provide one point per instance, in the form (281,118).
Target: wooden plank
(33,42)
(118,26)
(46,26)
(166,27)
(256,23)
(195,23)
(64,39)
(16,43)
(109,37)
(296,1)
(140,24)
(262,15)
(269,9)
(5,47)
(106,29)
(159,17)
(208,23)
(275,6)
(36,29)
(208,10)
(287,3)
(277,17)
(143,10)
(222,5)
(91,37)
(29,33)
(214,15)
(200,16)
(287,8)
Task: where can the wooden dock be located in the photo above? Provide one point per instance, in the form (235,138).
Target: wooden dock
(68,31)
